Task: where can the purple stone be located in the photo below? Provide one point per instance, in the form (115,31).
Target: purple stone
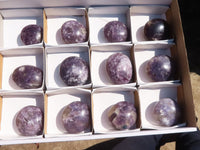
(29,121)
(123,115)
(157,29)
(28,77)
(166,112)
(74,71)
(32,34)
(160,68)
(76,117)
(119,68)
(73,32)
(116,31)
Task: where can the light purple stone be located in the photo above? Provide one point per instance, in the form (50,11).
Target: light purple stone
(76,117)
(28,77)
(29,121)
(166,112)
(116,31)
(73,32)
(160,68)
(119,68)
(74,71)
(157,29)
(32,34)
(123,115)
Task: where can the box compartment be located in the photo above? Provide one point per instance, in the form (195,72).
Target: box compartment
(13,58)
(13,21)
(54,58)
(54,18)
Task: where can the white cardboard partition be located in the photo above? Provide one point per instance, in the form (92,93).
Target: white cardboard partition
(56,17)
(55,56)
(13,58)
(143,53)
(103,99)
(12,104)
(99,55)
(140,15)
(13,21)
(148,96)
(56,103)
(100,16)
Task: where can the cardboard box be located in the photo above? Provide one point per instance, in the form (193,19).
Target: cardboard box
(183,92)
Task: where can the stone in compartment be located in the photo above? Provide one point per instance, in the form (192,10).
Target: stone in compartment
(74,71)
(166,112)
(76,117)
(32,34)
(160,68)
(28,77)
(157,29)
(116,31)
(29,121)
(119,68)
(73,32)
(123,115)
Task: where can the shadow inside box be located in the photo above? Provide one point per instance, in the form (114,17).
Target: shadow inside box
(57,77)
(149,113)
(143,73)
(105,120)
(19,41)
(101,36)
(103,75)
(140,34)
(59,123)
(59,39)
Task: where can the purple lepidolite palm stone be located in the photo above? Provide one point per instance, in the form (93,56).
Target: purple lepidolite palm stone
(74,71)
(160,68)
(116,31)
(166,112)
(28,77)
(73,32)
(119,68)
(123,115)
(32,34)
(76,117)
(29,121)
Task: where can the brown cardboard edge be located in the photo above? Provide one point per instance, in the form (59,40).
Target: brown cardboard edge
(137,104)
(173,16)
(1,104)
(1,70)
(44,27)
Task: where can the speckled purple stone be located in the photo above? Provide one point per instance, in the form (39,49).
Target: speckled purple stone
(116,31)
(28,77)
(74,71)
(76,117)
(123,115)
(29,121)
(160,68)
(73,32)
(157,29)
(166,112)
(119,68)
(32,34)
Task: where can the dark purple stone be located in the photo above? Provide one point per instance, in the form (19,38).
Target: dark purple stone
(119,68)
(74,71)
(157,29)
(116,31)
(123,115)
(76,117)
(160,68)
(32,34)
(29,121)
(73,32)
(166,112)
(28,77)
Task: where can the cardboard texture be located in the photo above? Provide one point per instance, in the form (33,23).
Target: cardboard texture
(99,92)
